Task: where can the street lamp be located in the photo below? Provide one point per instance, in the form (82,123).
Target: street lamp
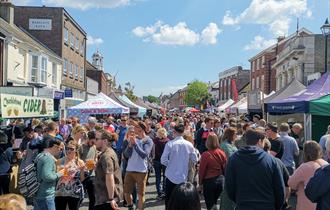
(325,28)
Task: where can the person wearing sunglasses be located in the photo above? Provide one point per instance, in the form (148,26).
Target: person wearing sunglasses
(73,173)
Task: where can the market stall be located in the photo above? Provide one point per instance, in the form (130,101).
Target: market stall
(224,106)
(133,110)
(300,104)
(141,110)
(100,104)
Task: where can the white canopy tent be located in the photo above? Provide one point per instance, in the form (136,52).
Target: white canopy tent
(224,106)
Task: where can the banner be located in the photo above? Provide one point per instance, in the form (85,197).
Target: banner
(15,106)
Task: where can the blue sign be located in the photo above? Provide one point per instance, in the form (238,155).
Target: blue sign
(58,95)
(68,93)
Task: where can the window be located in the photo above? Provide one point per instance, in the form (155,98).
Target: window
(66,35)
(257,82)
(54,74)
(262,83)
(82,48)
(72,40)
(77,44)
(252,66)
(34,68)
(82,74)
(43,70)
(71,66)
(65,67)
(76,72)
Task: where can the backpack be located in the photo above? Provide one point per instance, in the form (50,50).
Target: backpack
(28,183)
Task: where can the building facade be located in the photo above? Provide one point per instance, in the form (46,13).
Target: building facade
(237,73)
(99,76)
(25,61)
(302,58)
(56,29)
(92,87)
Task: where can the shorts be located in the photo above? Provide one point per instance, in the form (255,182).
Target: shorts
(138,178)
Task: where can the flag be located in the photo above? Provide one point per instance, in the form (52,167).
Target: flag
(234,90)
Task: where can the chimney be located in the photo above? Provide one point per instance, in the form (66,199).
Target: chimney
(7,11)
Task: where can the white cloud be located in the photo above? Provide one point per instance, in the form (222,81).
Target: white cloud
(259,43)
(276,14)
(88,4)
(210,33)
(94,41)
(179,34)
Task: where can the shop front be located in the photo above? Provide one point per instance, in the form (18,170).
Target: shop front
(54,94)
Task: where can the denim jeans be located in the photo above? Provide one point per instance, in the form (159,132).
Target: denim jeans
(44,204)
(159,172)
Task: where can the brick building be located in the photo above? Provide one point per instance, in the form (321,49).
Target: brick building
(99,76)
(55,28)
(240,75)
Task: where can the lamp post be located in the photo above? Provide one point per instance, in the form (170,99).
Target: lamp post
(325,28)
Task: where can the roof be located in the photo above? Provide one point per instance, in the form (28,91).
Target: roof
(22,34)
(269,49)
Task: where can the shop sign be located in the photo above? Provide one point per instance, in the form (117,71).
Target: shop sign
(68,93)
(40,24)
(58,95)
(17,90)
(14,106)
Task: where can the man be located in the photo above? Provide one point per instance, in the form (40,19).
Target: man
(137,152)
(6,155)
(176,156)
(298,135)
(285,173)
(318,188)
(256,121)
(121,131)
(291,149)
(28,137)
(253,178)
(52,130)
(322,144)
(74,122)
(202,135)
(88,151)
(108,180)
(64,130)
(92,121)
(272,135)
(47,176)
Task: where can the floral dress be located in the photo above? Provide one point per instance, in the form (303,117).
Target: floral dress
(225,202)
(70,184)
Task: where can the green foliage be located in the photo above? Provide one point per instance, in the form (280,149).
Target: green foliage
(153,99)
(197,93)
(129,92)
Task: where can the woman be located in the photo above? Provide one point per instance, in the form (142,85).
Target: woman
(184,197)
(159,142)
(69,190)
(228,146)
(187,128)
(12,201)
(312,161)
(211,171)
(228,143)
(78,134)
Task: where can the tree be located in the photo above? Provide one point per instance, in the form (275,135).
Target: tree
(197,93)
(129,92)
(153,99)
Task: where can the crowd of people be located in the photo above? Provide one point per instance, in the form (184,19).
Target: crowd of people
(245,164)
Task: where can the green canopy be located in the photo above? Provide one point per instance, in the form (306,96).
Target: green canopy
(320,106)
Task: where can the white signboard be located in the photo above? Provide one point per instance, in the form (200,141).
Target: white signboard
(40,24)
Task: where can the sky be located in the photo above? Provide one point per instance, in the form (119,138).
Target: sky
(160,46)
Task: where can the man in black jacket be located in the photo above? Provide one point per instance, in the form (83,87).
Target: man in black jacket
(253,177)
(202,135)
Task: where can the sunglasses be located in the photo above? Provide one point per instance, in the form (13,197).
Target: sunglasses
(70,149)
